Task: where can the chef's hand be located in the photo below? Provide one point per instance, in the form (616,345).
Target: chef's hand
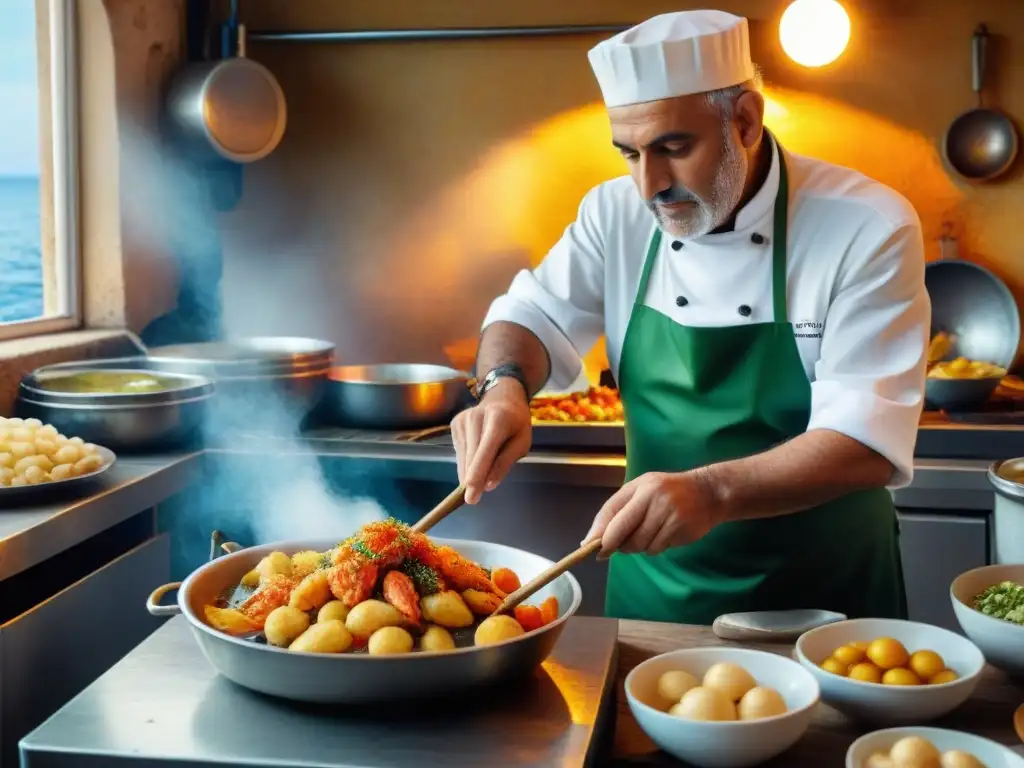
(654,512)
(491,436)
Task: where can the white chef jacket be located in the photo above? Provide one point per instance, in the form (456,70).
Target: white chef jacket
(854,282)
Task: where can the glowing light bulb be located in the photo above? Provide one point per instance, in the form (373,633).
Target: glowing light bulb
(814,32)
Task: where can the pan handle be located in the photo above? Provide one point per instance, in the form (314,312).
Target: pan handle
(153,601)
(979,48)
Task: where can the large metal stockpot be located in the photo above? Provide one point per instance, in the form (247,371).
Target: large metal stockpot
(1007,480)
(264,383)
(128,422)
(358,678)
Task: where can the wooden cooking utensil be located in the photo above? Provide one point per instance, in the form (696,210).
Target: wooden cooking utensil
(423,434)
(1018,722)
(449,504)
(548,576)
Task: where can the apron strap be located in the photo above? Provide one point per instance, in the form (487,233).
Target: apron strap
(645,276)
(781,222)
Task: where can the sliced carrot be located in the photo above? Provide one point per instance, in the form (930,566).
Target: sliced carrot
(505,580)
(549,609)
(529,617)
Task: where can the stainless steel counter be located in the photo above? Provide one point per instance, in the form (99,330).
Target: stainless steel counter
(163,704)
(35,532)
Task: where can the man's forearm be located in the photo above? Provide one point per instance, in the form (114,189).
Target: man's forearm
(504,342)
(811,469)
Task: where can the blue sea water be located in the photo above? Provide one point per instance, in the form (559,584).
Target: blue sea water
(21,261)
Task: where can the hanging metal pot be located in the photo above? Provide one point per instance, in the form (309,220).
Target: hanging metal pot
(231,109)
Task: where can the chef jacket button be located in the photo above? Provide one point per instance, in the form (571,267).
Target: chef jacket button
(681,301)
(745,310)
(757,238)
(677,245)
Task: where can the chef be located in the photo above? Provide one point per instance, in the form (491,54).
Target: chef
(766,320)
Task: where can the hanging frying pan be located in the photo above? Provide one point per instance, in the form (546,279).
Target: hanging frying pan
(981,143)
(232,108)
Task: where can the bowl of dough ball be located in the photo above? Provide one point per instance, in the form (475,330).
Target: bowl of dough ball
(722,707)
(928,748)
(889,671)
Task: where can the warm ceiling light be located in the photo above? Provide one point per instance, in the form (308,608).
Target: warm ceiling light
(814,32)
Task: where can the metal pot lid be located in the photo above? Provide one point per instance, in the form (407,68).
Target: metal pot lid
(1007,477)
(249,356)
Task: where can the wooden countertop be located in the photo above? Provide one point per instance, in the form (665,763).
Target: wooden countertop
(988,713)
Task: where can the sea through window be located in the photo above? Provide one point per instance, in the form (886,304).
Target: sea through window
(39,255)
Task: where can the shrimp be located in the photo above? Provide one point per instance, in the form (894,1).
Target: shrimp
(463,573)
(352,579)
(401,592)
(273,594)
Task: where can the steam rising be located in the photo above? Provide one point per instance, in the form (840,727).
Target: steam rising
(275,488)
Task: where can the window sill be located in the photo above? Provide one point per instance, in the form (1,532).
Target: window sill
(21,356)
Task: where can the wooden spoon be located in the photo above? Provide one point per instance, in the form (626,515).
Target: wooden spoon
(449,504)
(548,576)
(1018,722)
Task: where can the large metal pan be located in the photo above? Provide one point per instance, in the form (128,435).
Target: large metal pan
(358,678)
(981,143)
(979,312)
(395,396)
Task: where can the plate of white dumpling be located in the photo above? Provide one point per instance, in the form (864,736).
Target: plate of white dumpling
(33,454)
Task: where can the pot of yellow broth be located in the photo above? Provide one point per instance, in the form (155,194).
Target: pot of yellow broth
(117,404)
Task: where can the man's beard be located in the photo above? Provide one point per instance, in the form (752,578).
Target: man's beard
(708,214)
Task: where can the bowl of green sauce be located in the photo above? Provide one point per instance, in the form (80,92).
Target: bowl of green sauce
(989,604)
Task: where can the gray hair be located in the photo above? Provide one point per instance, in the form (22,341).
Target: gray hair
(724,99)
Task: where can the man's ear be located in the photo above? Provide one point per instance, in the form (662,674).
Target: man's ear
(749,116)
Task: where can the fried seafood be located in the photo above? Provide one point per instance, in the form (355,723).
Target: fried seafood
(274,593)
(385,590)
(352,578)
(399,590)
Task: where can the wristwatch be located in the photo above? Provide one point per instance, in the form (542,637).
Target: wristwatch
(496,374)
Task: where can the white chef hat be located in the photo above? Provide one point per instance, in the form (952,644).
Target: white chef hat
(674,54)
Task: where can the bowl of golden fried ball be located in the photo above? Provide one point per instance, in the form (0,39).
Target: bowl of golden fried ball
(928,748)
(34,454)
(961,384)
(722,707)
(889,671)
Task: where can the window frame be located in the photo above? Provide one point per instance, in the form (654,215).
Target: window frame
(64,117)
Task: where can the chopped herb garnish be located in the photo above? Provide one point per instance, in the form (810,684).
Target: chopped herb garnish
(1002,601)
(423,576)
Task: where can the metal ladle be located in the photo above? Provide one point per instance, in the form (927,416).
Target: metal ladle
(981,143)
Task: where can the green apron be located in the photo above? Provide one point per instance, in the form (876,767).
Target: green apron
(698,395)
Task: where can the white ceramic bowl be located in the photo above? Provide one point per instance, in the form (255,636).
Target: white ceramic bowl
(1001,641)
(990,753)
(892,704)
(733,744)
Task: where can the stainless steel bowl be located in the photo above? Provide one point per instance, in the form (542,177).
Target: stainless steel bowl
(355,678)
(125,422)
(395,396)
